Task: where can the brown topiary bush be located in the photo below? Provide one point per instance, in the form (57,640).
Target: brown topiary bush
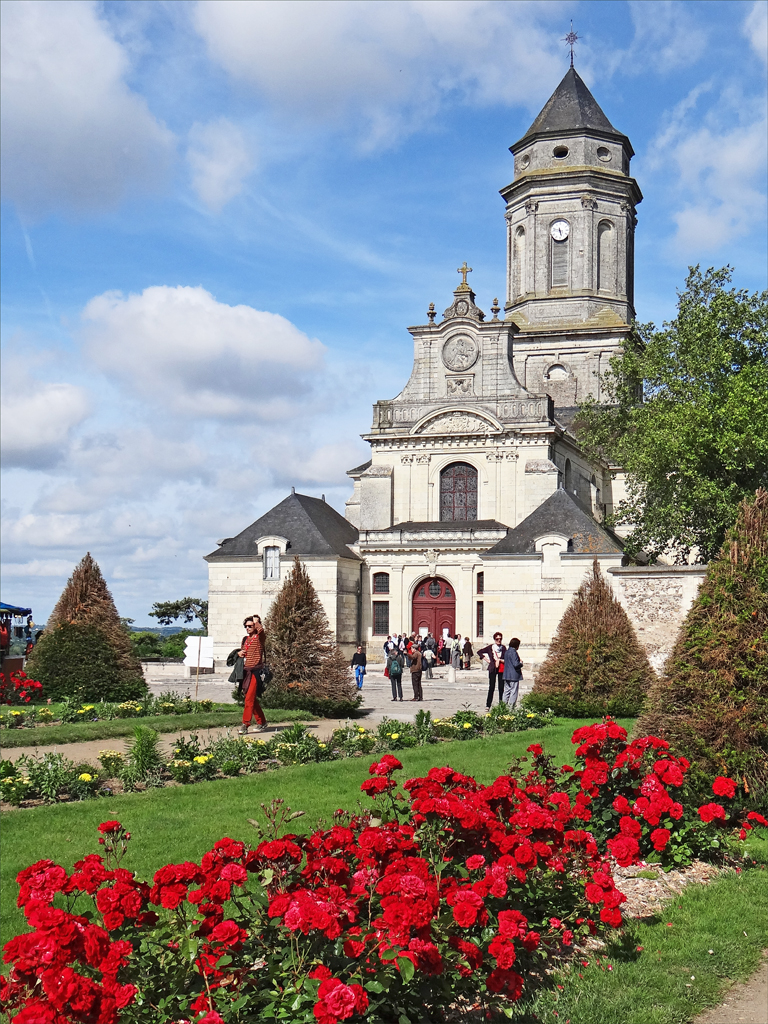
(85,649)
(595,664)
(712,701)
(310,672)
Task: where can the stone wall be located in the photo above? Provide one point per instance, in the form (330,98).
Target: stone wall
(657,599)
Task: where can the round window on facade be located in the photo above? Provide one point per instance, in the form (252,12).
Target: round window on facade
(524,162)
(434,589)
(603,154)
(559,152)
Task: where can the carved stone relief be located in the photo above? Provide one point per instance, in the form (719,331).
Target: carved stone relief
(460,385)
(460,352)
(457,423)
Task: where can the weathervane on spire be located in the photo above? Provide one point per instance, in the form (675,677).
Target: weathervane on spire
(570,39)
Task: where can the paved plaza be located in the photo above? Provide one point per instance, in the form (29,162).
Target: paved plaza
(441,697)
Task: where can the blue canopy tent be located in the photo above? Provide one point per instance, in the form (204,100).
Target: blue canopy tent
(13,609)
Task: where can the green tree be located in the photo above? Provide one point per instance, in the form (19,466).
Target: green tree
(687,418)
(310,672)
(595,664)
(187,609)
(85,647)
(712,701)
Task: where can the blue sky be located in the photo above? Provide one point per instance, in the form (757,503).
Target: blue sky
(219,218)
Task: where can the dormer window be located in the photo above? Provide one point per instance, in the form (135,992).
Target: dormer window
(271,563)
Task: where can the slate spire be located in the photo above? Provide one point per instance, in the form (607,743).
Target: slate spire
(571,106)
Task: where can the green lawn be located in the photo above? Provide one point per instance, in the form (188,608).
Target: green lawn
(182,822)
(75,732)
(671,967)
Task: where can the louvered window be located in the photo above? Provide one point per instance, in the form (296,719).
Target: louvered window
(560,263)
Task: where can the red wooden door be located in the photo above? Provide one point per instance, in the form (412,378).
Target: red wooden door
(434,607)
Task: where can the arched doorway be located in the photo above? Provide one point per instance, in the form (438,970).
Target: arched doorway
(434,606)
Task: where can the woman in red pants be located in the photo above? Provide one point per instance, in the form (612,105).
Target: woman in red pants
(252,650)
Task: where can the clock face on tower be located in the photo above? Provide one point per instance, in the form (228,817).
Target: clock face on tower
(560,230)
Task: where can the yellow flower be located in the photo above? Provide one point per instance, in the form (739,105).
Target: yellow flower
(17,712)
(467,725)
(360,729)
(85,777)
(322,746)
(202,758)
(529,715)
(395,736)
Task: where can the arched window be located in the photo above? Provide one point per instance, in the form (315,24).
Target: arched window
(560,263)
(458,493)
(519,256)
(381,583)
(606,257)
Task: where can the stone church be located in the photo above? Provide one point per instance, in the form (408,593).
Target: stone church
(477,510)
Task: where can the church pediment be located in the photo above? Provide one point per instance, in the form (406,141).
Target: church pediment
(457,421)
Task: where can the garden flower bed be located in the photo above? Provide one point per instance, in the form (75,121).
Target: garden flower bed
(446,893)
(73,711)
(51,777)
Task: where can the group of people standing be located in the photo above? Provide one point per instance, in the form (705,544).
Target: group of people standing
(420,653)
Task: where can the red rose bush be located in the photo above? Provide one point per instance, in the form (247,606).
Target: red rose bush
(447,892)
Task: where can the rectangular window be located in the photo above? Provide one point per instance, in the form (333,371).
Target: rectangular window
(480,624)
(481,583)
(381,618)
(272,563)
(560,263)
(381,583)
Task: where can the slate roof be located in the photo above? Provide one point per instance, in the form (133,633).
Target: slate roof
(571,106)
(561,513)
(311,526)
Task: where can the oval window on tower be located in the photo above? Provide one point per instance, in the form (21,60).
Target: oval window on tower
(559,152)
(603,154)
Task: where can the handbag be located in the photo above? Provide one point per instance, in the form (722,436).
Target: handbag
(263,677)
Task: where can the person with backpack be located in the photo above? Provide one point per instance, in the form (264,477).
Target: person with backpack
(395,664)
(428,657)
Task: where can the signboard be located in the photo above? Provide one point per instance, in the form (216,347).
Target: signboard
(198,651)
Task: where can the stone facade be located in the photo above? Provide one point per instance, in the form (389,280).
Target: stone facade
(657,599)
(476,495)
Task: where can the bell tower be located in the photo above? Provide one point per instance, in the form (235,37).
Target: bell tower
(570,244)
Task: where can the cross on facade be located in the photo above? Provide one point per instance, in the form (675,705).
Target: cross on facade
(464,270)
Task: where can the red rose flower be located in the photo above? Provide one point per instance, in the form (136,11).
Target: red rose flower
(723,786)
(710,812)
(660,837)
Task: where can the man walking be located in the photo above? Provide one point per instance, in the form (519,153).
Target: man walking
(358,664)
(494,654)
(513,672)
(416,668)
(251,650)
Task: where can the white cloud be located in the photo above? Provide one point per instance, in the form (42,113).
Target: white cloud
(39,567)
(38,419)
(219,162)
(715,165)
(74,136)
(755,28)
(385,63)
(197,357)
(668,35)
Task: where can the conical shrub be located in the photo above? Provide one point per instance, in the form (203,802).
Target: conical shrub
(712,700)
(310,672)
(595,664)
(85,649)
